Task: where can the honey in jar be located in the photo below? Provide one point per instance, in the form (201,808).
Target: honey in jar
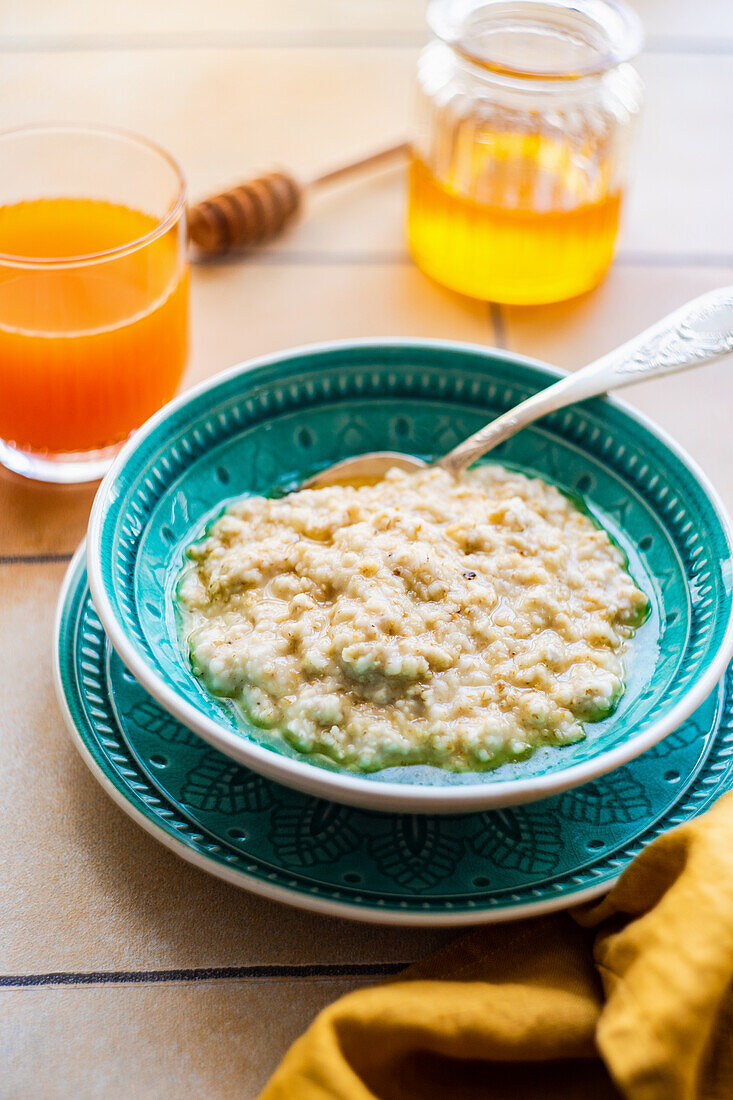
(525,112)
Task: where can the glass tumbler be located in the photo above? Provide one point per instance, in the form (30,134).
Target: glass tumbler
(93,295)
(524,122)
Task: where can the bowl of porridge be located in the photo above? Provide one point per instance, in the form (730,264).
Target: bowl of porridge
(423,644)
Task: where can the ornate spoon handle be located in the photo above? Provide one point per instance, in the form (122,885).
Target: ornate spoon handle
(697,333)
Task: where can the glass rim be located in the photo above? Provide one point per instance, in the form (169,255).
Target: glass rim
(447,19)
(83,259)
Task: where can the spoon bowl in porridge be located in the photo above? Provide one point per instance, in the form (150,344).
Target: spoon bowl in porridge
(457,622)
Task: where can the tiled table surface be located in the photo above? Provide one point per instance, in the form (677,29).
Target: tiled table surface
(107,941)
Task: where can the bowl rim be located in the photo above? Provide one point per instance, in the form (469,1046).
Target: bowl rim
(346,787)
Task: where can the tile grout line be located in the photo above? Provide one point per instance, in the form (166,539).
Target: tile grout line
(315,258)
(295,258)
(496,317)
(674,259)
(199,974)
(34,559)
(319,38)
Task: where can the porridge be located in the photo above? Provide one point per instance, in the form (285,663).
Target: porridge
(426,619)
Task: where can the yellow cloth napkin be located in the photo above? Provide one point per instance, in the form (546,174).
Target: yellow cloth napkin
(629,997)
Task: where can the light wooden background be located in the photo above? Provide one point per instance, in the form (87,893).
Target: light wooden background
(106,938)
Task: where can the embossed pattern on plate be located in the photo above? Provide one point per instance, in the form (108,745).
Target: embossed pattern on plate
(398,868)
(278,419)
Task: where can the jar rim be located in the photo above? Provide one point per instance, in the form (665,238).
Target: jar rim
(509,37)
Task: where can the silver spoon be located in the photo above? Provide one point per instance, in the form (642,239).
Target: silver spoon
(699,332)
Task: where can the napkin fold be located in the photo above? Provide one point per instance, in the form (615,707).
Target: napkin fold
(628,997)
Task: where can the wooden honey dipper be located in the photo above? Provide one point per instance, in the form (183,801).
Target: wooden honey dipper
(258,210)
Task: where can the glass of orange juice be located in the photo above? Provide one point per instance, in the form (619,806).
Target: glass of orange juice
(93,295)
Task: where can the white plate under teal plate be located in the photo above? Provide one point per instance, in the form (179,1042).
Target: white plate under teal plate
(391,868)
(266,424)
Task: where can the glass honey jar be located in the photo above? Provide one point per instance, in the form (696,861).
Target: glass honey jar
(525,116)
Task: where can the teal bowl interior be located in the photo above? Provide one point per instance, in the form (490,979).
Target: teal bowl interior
(267,427)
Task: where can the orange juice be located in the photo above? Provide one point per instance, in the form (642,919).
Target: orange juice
(90,345)
(529,232)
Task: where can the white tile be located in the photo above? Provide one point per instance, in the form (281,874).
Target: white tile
(679,200)
(320,20)
(86,889)
(222,112)
(191,21)
(216,1040)
(684,21)
(251,308)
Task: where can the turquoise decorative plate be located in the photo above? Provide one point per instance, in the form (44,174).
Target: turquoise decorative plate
(393,868)
(267,424)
